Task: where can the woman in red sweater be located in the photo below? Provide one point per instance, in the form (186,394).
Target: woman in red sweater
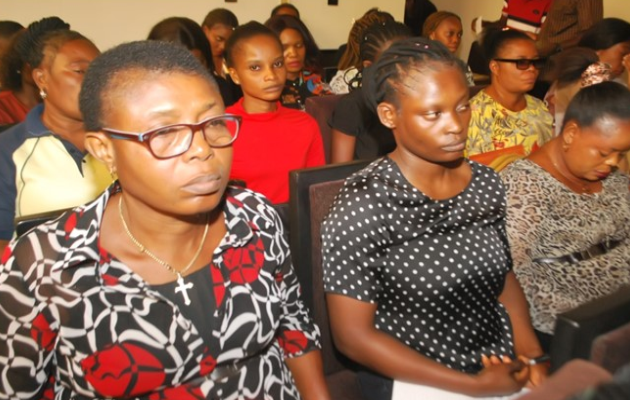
(274,139)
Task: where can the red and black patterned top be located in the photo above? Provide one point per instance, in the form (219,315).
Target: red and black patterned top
(75,322)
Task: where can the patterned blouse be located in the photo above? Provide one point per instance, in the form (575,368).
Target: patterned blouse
(435,268)
(75,322)
(545,219)
(494,127)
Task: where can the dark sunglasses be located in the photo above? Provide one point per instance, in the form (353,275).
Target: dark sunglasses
(524,63)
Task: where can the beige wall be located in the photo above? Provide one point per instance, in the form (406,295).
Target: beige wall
(491,9)
(108,22)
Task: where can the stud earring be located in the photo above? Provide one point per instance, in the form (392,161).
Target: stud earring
(43,94)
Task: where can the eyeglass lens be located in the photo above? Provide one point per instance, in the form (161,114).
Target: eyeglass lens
(175,140)
(525,64)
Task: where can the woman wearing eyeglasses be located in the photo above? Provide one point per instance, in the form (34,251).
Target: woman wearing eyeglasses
(505,119)
(169,285)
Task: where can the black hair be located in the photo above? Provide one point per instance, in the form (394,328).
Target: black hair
(495,38)
(568,65)
(592,103)
(150,56)
(220,16)
(9,28)
(378,35)
(50,32)
(605,34)
(244,32)
(186,32)
(384,79)
(11,67)
(374,40)
(351,56)
(279,7)
(281,22)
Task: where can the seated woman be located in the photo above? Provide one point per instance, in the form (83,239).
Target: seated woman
(218,25)
(505,119)
(274,139)
(19,93)
(569,209)
(416,260)
(357,133)
(169,285)
(350,63)
(446,28)
(44,165)
(610,38)
(301,60)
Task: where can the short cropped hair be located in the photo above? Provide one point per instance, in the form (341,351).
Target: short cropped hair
(152,56)
(595,102)
(244,32)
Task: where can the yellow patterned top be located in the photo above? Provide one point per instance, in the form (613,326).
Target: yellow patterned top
(493,127)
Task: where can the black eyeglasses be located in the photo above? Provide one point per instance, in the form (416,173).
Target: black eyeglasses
(172,140)
(524,63)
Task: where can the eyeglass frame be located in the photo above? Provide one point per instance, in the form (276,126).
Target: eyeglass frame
(145,137)
(529,61)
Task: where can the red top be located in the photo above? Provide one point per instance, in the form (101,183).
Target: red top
(270,145)
(12,110)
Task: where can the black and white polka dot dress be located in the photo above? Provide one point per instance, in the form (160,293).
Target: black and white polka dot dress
(435,268)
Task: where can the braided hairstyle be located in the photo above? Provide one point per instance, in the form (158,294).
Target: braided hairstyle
(385,79)
(49,32)
(351,57)
(375,40)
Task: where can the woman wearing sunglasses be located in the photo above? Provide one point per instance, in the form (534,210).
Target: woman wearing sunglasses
(505,119)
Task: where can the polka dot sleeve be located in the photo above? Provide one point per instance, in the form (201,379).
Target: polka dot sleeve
(355,238)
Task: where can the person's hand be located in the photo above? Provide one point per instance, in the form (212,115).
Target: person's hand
(501,376)
(537,373)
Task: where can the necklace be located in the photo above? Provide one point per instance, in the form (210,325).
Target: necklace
(181,286)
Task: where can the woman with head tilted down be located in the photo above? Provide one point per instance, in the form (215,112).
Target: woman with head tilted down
(44,165)
(569,208)
(416,260)
(168,285)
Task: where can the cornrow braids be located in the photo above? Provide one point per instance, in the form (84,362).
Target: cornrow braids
(383,80)
(50,31)
(374,41)
(351,56)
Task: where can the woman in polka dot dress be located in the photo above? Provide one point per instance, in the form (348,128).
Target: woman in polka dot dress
(416,260)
